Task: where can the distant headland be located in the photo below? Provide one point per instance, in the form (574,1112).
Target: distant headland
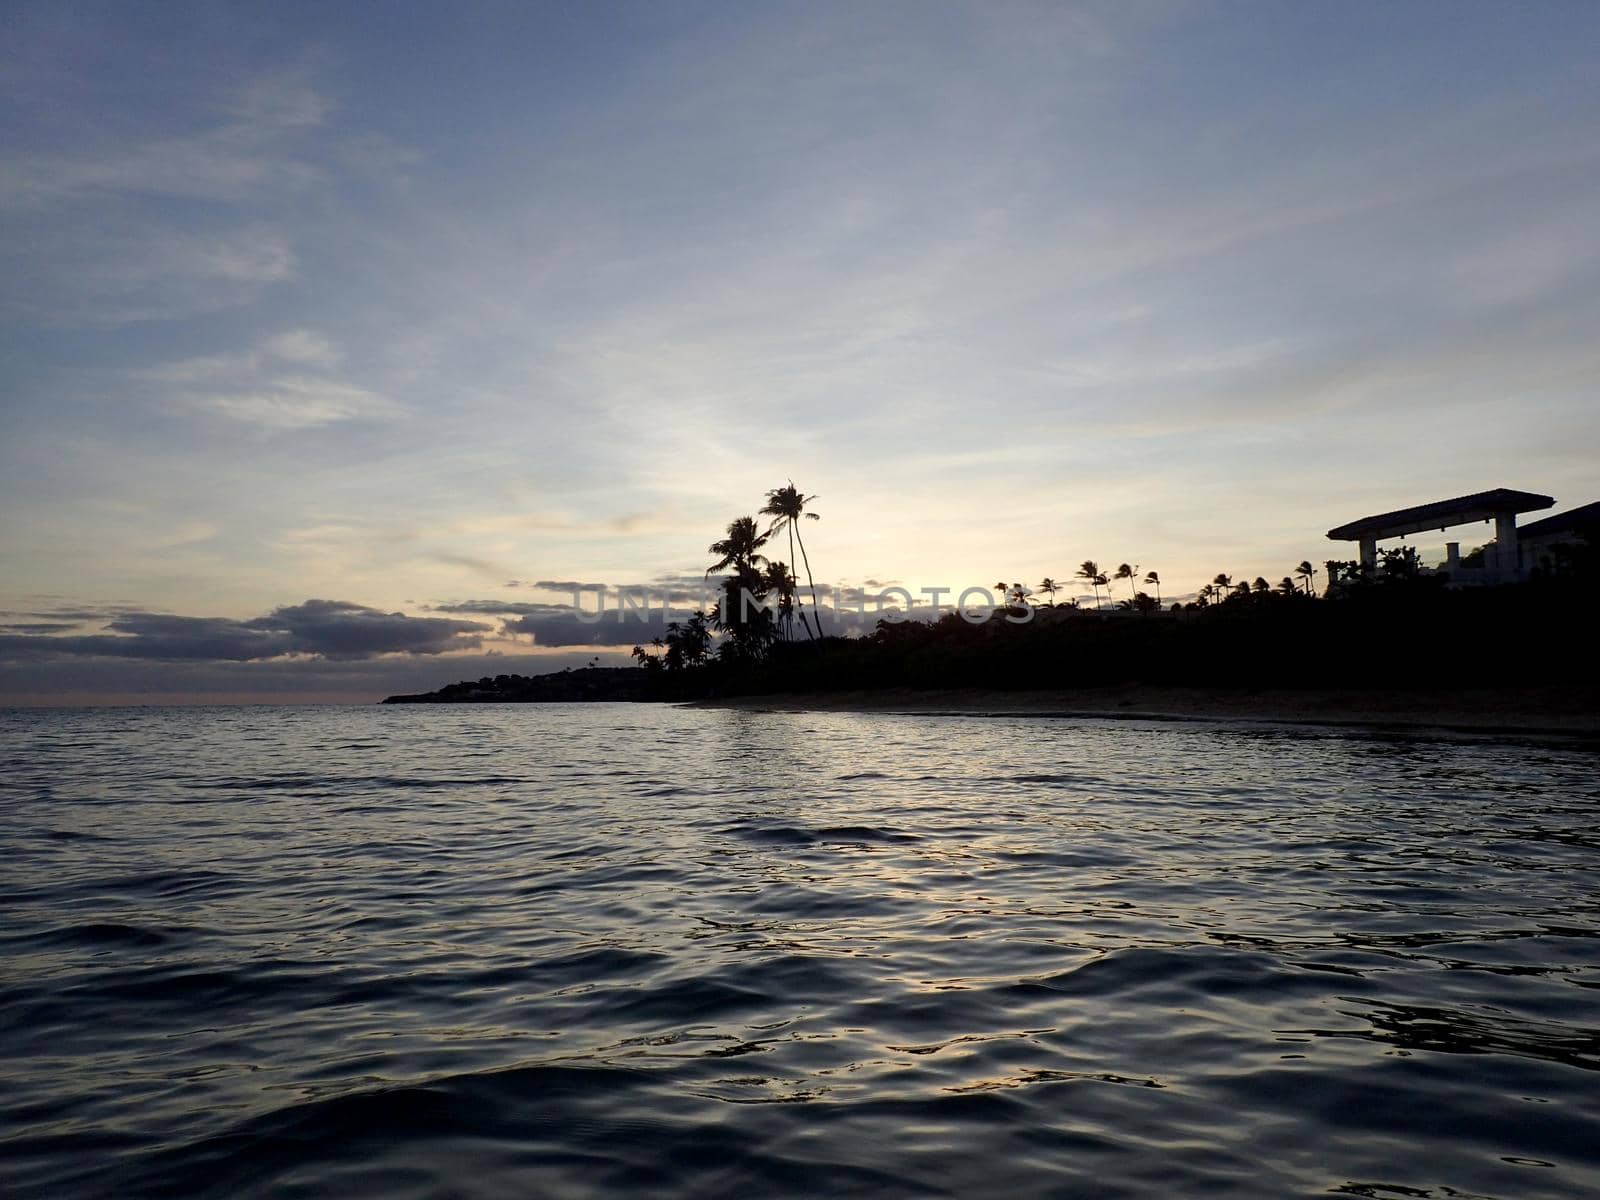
(560,687)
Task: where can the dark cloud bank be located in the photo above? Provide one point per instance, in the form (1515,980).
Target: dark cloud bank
(320,649)
(332,629)
(560,625)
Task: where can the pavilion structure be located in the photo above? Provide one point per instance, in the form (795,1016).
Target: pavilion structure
(1502,562)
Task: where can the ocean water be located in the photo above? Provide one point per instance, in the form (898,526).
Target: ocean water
(604,950)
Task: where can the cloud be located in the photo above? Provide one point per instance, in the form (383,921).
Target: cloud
(690,588)
(294,403)
(563,585)
(121,269)
(119,217)
(645,616)
(495,608)
(614,628)
(76,614)
(471,562)
(632,626)
(245,150)
(298,348)
(331,629)
(120,212)
(302,346)
(339,629)
(284,382)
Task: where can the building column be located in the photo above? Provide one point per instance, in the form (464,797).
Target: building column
(1369,554)
(1505,544)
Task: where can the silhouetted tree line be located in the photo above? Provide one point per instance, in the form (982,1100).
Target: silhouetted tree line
(1376,636)
(1395,625)
(1392,626)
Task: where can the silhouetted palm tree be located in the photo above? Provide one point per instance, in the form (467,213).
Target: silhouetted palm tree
(1307,572)
(1049,587)
(1127,572)
(1089,572)
(1260,585)
(752,632)
(1287,587)
(778,578)
(695,638)
(740,548)
(786,506)
(1206,594)
(1223,582)
(1153,578)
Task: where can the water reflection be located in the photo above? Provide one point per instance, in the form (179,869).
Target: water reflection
(631,947)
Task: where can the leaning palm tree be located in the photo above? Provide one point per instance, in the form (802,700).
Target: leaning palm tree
(1089,572)
(1286,587)
(1049,587)
(1308,573)
(1127,572)
(1206,594)
(786,506)
(1154,579)
(1223,582)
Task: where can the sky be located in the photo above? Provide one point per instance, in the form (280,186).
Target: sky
(330,333)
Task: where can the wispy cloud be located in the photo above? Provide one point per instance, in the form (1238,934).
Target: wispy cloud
(252,145)
(294,402)
(271,385)
(115,223)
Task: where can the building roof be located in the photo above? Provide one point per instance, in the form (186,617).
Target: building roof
(1574,520)
(1441,514)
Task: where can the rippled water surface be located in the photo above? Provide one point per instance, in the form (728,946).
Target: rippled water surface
(607,949)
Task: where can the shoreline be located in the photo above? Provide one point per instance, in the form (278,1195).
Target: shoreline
(1569,710)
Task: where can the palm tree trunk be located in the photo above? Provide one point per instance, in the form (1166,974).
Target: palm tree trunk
(816,608)
(812,636)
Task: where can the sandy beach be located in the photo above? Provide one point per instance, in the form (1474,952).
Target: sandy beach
(1568,710)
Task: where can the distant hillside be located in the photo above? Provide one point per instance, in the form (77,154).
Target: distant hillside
(589,683)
